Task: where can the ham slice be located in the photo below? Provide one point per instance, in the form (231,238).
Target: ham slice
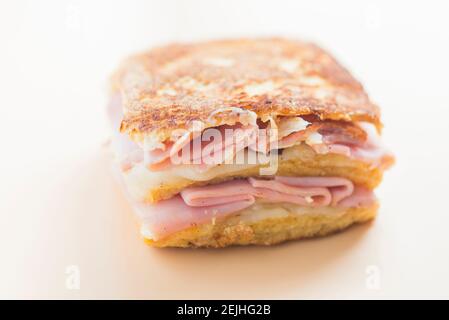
(339,188)
(216,194)
(350,140)
(277,191)
(203,151)
(209,148)
(202,204)
(360,197)
(306,191)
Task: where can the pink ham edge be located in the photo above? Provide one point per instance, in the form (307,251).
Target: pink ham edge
(372,151)
(210,153)
(217,193)
(306,191)
(282,192)
(340,188)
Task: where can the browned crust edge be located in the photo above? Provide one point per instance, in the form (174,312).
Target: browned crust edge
(169,87)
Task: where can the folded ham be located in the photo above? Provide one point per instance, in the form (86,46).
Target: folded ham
(203,204)
(204,150)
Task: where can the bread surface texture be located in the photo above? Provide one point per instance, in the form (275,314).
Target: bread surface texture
(235,231)
(169,87)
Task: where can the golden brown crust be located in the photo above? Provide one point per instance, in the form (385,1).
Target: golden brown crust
(169,87)
(268,231)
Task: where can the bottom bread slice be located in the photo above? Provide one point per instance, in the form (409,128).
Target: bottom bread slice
(239,230)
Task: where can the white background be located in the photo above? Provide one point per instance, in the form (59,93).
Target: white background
(60,207)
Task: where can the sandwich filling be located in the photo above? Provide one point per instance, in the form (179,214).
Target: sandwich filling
(198,151)
(194,206)
(147,164)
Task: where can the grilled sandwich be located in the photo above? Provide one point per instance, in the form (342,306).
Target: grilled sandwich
(247,141)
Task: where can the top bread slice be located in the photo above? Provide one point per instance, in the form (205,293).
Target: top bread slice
(169,87)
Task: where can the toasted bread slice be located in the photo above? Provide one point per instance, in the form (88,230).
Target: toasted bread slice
(169,87)
(284,225)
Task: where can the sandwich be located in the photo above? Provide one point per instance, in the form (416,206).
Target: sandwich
(247,141)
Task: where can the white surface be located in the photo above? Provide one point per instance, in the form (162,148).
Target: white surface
(60,207)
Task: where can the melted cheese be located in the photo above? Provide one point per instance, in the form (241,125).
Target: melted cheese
(139,179)
(261,211)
